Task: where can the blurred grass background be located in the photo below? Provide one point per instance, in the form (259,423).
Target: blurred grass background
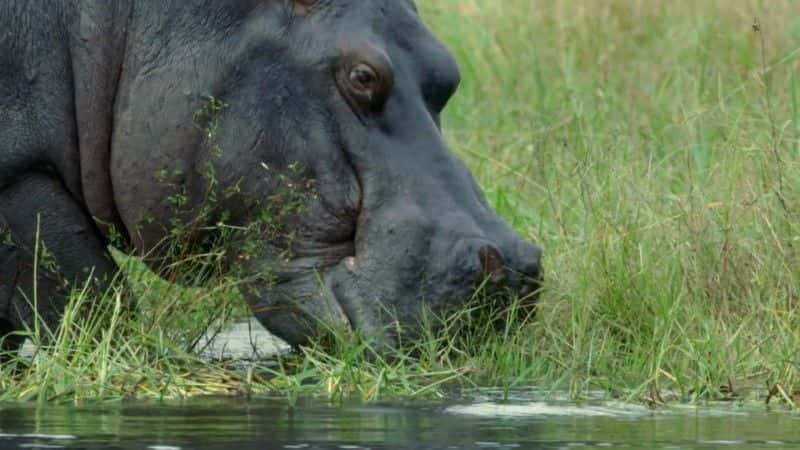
(652,148)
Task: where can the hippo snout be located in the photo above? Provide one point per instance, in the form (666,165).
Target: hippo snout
(516,267)
(442,279)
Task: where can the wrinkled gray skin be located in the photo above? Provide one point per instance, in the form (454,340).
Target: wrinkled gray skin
(98,101)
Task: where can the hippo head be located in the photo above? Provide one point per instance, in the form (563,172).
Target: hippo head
(341,100)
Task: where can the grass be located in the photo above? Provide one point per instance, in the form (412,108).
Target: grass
(652,148)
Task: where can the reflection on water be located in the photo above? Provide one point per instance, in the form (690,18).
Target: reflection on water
(211,424)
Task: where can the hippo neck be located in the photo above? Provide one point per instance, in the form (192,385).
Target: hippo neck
(98,37)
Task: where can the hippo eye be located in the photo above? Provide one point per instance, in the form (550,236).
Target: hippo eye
(363,78)
(366,86)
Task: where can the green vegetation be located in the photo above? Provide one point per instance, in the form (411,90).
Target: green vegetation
(652,148)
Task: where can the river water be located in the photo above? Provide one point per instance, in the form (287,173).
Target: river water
(479,421)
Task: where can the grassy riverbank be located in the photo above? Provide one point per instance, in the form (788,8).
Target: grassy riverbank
(652,148)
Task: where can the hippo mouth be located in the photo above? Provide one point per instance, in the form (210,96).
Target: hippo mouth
(332,290)
(296,299)
(324,299)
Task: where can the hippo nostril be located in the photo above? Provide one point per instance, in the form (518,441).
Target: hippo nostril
(492,263)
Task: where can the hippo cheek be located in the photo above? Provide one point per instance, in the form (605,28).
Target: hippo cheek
(363,301)
(300,309)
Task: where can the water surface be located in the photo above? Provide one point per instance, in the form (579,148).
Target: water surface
(480,422)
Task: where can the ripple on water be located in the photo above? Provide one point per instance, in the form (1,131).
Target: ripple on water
(34,445)
(542,409)
(51,437)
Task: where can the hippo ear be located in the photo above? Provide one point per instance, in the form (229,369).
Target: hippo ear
(491,262)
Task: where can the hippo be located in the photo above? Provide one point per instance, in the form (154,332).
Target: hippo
(316,120)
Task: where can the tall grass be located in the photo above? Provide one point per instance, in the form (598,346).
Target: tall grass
(103,349)
(652,148)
